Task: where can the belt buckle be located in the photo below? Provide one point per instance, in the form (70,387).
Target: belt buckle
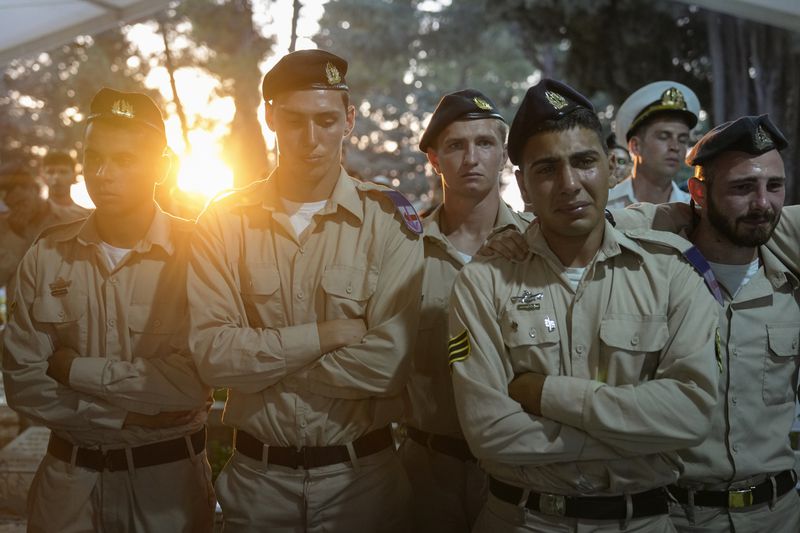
(552,504)
(740,498)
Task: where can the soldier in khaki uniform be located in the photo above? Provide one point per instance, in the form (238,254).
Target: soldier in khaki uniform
(304,292)
(95,348)
(28,215)
(741,478)
(58,170)
(579,372)
(465,144)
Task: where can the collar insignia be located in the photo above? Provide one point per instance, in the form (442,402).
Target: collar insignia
(332,74)
(555,99)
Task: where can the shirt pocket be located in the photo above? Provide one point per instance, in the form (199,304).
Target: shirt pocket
(781,363)
(347,291)
(631,348)
(260,295)
(63,317)
(154,329)
(533,340)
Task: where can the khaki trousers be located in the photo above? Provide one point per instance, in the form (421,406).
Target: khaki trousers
(447,494)
(169,498)
(371,496)
(498,516)
(784,517)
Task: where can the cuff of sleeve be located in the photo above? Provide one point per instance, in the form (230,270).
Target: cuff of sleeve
(102,414)
(86,374)
(564,397)
(300,345)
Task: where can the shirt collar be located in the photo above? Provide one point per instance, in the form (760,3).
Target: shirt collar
(614,241)
(158,234)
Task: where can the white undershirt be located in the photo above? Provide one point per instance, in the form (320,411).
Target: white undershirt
(301,214)
(113,255)
(574,276)
(734,277)
(464,257)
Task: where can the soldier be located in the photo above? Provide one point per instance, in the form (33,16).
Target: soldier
(465,144)
(742,477)
(95,347)
(579,372)
(304,292)
(58,169)
(655,121)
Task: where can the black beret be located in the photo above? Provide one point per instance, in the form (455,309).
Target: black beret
(753,135)
(305,69)
(547,100)
(467,104)
(127,108)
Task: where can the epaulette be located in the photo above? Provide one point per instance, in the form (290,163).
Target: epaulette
(404,208)
(689,251)
(56,229)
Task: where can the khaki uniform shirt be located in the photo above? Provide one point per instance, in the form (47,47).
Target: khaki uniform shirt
(14,246)
(629,358)
(430,390)
(127,324)
(257,291)
(621,195)
(758,362)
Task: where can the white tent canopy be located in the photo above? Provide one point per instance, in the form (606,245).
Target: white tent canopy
(29,27)
(779,13)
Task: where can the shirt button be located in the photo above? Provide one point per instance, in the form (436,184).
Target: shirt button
(112,323)
(579,348)
(635,340)
(736,352)
(61,314)
(300,295)
(301,250)
(303,423)
(156,323)
(113,281)
(733,400)
(532,333)
(735,448)
(349,289)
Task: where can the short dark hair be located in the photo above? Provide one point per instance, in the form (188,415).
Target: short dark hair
(580,118)
(58,157)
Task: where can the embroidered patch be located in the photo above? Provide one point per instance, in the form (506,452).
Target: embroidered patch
(458,347)
(59,287)
(406,210)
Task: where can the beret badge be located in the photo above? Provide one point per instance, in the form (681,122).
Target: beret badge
(332,74)
(761,139)
(482,104)
(123,108)
(555,99)
(673,98)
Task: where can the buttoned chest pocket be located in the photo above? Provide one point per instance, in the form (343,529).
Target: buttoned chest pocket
(260,295)
(154,328)
(781,363)
(533,340)
(64,318)
(630,348)
(347,291)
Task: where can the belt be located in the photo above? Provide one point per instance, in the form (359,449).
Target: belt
(158,453)
(738,498)
(650,503)
(456,448)
(312,456)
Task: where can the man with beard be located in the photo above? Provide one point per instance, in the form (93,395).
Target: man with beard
(580,371)
(655,122)
(741,478)
(304,299)
(465,144)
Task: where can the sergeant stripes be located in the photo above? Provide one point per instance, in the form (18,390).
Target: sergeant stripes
(458,347)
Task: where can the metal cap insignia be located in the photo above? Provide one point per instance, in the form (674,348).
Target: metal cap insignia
(332,74)
(673,97)
(762,139)
(555,99)
(482,104)
(123,108)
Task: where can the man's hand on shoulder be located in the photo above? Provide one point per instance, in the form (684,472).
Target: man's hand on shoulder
(507,243)
(527,390)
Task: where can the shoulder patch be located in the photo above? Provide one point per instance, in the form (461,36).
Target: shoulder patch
(405,209)
(458,348)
